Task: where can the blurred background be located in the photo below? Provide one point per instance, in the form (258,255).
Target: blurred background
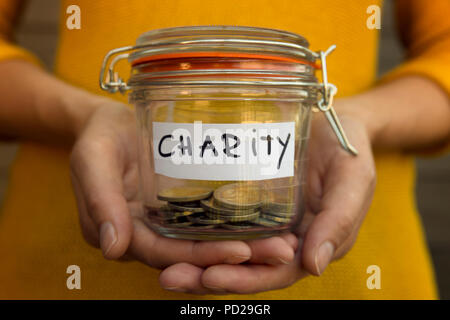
(37,32)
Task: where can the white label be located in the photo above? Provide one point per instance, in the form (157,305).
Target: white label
(243,151)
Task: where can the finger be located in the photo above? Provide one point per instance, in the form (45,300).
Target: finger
(183,277)
(307,219)
(97,167)
(88,227)
(247,279)
(291,239)
(345,201)
(160,252)
(274,251)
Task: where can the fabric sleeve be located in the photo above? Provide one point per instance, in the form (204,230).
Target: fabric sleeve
(9,12)
(424,28)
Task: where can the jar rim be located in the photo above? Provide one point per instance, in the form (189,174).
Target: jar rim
(157,35)
(224,39)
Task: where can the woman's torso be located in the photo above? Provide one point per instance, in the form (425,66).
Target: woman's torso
(39,231)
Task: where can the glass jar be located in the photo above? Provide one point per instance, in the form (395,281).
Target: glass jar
(223,116)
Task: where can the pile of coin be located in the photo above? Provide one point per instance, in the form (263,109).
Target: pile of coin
(234,206)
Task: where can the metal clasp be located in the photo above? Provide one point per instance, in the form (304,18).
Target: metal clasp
(326,104)
(112,81)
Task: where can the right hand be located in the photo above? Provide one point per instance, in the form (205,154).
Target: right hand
(104,174)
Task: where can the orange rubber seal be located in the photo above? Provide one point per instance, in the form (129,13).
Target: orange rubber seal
(169,56)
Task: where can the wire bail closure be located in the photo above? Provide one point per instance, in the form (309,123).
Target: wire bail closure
(112,83)
(326,104)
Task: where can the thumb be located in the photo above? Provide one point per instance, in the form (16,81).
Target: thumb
(98,171)
(347,195)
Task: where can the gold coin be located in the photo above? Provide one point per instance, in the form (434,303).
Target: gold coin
(168,215)
(238,196)
(275,218)
(210,205)
(202,226)
(237,226)
(271,212)
(178,207)
(266,223)
(237,218)
(205,220)
(279,202)
(184,194)
(179,224)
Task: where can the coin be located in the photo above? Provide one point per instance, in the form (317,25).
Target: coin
(237,226)
(275,218)
(277,213)
(178,207)
(167,215)
(237,218)
(211,205)
(238,196)
(180,224)
(279,202)
(205,220)
(266,223)
(190,204)
(184,194)
(202,226)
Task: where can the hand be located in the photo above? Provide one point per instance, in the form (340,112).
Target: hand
(105,181)
(340,189)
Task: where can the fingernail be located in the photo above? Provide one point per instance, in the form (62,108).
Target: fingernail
(236,259)
(276,261)
(108,237)
(176,289)
(324,256)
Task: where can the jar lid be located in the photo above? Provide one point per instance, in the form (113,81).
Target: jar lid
(224,43)
(200,42)
(221,41)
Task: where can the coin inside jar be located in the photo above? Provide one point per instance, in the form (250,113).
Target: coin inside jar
(169,215)
(205,220)
(210,205)
(238,196)
(266,223)
(181,207)
(277,201)
(276,218)
(237,218)
(184,194)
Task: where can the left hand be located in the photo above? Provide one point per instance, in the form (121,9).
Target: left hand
(105,180)
(340,190)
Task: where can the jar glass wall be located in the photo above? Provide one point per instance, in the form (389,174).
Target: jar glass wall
(242,204)
(223,118)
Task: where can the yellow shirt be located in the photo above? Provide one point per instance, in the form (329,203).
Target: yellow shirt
(39,231)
